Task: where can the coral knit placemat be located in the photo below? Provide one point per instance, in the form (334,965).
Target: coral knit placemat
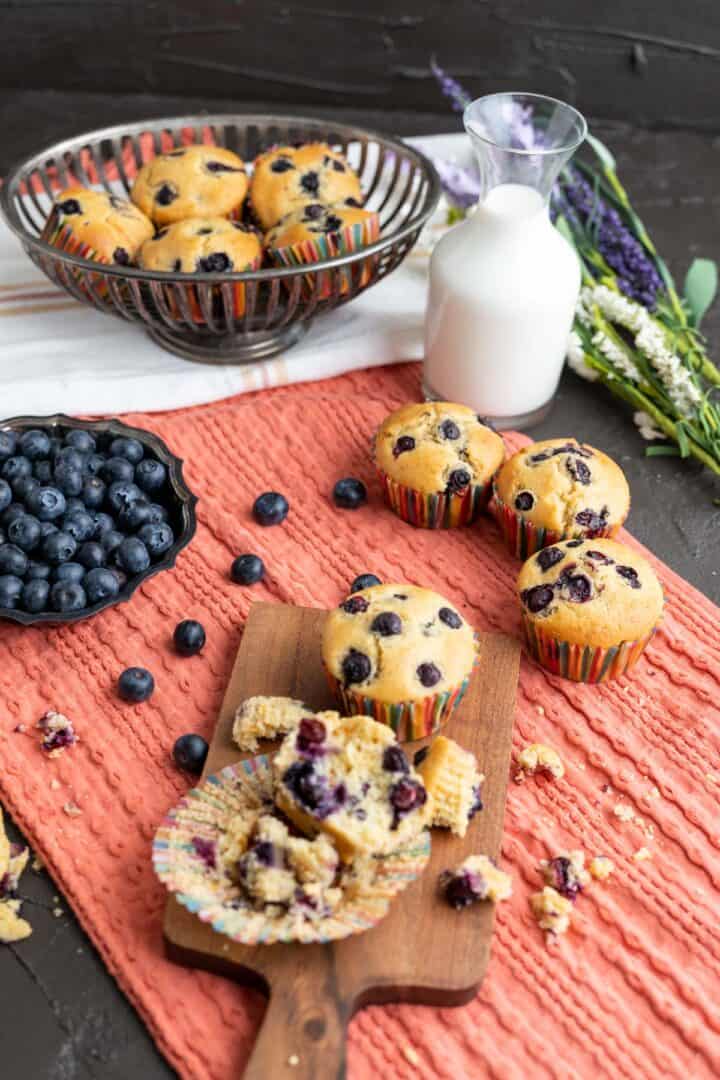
(631,991)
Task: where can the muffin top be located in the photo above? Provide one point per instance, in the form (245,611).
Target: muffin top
(192,181)
(211,245)
(398,643)
(565,486)
(590,592)
(313,220)
(287,177)
(437,447)
(111,226)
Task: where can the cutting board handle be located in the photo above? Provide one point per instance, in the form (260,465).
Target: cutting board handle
(303,1034)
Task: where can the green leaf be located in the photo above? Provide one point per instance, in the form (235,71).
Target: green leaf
(682,439)
(601,151)
(701,285)
(665,450)
(564,229)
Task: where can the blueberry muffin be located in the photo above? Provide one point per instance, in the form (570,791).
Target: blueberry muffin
(401,654)
(212,245)
(110,229)
(348,778)
(589,608)
(558,489)
(192,181)
(314,221)
(476,878)
(451,777)
(437,461)
(286,178)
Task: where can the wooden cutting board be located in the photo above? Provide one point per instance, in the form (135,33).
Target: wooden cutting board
(424,951)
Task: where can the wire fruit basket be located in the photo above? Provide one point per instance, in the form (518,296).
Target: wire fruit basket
(228,317)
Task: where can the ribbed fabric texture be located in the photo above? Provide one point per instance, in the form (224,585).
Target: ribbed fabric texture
(631,991)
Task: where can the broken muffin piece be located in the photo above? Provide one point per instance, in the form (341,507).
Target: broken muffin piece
(566,873)
(551,910)
(537,757)
(262,717)
(476,878)
(451,777)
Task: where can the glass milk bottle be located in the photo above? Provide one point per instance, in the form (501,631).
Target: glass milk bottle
(504,284)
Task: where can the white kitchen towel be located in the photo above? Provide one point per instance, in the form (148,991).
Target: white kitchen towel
(58,355)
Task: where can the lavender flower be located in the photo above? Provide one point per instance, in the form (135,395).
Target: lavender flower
(450,87)
(462,186)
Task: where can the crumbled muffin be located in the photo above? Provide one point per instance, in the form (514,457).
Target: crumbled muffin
(287,178)
(454,783)
(349,778)
(189,182)
(537,757)
(13,860)
(209,245)
(551,910)
(566,487)
(566,873)
(58,733)
(601,867)
(476,878)
(12,926)
(262,717)
(111,227)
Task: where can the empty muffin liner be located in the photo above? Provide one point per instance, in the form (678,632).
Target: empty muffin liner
(582,663)
(328,246)
(523,538)
(205,889)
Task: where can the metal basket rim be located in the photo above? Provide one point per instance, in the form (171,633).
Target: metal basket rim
(12,180)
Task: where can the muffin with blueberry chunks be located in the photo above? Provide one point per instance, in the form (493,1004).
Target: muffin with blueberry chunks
(212,245)
(190,181)
(436,461)
(558,489)
(317,232)
(401,654)
(97,225)
(589,608)
(287,178)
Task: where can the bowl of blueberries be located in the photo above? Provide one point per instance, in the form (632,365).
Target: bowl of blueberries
(88,511)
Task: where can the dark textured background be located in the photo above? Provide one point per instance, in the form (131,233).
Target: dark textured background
(648,78)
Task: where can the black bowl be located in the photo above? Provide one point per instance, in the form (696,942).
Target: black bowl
(180,504)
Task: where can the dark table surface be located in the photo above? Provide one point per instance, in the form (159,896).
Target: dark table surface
(62,1016)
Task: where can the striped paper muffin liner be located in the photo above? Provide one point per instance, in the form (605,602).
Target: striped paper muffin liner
(327,246)
(192,302)
(62,237)
(439,510)
(582,663)
(523,538)
(185,860)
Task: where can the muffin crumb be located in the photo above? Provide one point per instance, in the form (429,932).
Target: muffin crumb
(538,757)
(454,783)
(476,878)
(58,733)
(642,854)
(411,1055)
(601,867)
(566,873)
(262,717)
(551,910)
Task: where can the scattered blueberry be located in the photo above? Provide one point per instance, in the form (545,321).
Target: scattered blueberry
(11,588)
(34,444)
(136,684)
(100,584)
(270,508)
(429,675)
(59,547)
(25,532)
(72,573)
(157,539)
(386,624)
(190,753)
(364,581)
(47,503)
(133,556)
(80,440)
(450,618)
(356,667)
(150,475)
(12,560)
(34,597)
(548,557)
(247,570)
(189,637)
(131,449)
(66,596)
(349,493)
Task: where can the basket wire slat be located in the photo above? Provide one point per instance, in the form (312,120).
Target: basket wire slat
(238,316)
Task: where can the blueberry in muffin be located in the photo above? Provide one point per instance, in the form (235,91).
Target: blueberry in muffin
(287,178)
(190,182)
(211,245)
(112,228)
(316,220)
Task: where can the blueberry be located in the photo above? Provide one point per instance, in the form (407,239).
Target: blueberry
(406,795)
(68,478)
(403,445)
(14,510)
(100,584)
(630,575)
(111,539)
(524,500)
(150,475)
(420,755)
(47,503)
(11,588)
(310,182)
(449,430)
(6,495)
(59,547)
(37,571)
(121,493)
(158,514)
(579,588)
(458,480)
(548,557)
(281,165)
(349,493)
(578,470)
(70,458)
(429,675)
(157,539)
(117,468)
(247,570)
(354,605)
(307,787)
(80,440)
(16,468)
(190,753)
(93,492)
(35,595)
(133,556)
(215,263)
(43,470)
(592,520)
(94,464)
(12,560)
(72,573)
(8,444)
(599,557)
(136,684)
(458,890)
(70,206)
(189,637)
(356,667)
(91,554)
(450,618)
(79,524)
(130,449)
(24,487)
(165,195)
(270,508)
(135,514)
(34,444)
(386,624)
(311,734)
(537,598)
(102,523)
(394,760)
(24,531)
(364,581)
(47,527)
(66,596)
